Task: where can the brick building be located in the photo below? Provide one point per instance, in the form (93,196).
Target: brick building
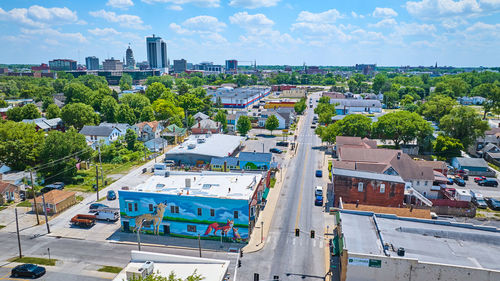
(368,188)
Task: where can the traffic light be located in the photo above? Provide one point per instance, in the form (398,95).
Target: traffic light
(312,234)
(241,253)
(239,263)
(255,277)
(297,232)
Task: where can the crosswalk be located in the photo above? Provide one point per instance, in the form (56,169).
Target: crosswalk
(273,240)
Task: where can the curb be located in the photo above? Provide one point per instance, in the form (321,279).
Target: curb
(165,246)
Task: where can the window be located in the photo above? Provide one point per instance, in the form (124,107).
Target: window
(191,228)
(418,182)
(150,207)
(135,207)
(382,188)
(212,212)
(235,214)
(425,183)
(174,209)
(130,207)
(199,211)
(360,186)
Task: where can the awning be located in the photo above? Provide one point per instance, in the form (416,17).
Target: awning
(266,192)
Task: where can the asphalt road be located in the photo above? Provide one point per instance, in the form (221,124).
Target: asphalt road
(285,255)
(80,259)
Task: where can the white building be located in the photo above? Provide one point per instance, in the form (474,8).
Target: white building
(96,134)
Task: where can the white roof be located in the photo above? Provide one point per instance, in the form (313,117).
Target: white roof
(204,184)
(215,145)
(181,266)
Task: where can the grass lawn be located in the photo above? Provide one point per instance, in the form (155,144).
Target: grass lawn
(110,269)
(25,203)
(79,198)
(35,260)
(3,208)
(494,166)
(2,226)
(272,182)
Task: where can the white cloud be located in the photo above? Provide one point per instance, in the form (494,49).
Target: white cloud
(409,29)
(103,31)
(384,13)
(329,16)
(481,26)
(204,24)
(120,4)
(251,22)
(354,15)
(52,34)
(453,22)
(431,9)
(253,4)
(201,3)
(125,20)
(384,23)
(175,8)
(321,29)
(39,16)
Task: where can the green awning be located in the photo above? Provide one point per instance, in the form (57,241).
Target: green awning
(266,192)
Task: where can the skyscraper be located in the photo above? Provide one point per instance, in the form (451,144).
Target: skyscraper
(92,63)
(231,66)
(129,58)
(157,52)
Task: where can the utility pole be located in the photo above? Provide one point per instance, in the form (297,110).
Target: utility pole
(18,238)
(97,181)
(45,212)
(199,244)
(34,197)
(261,232)
(100,163)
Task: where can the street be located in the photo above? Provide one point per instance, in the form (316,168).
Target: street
(285,255)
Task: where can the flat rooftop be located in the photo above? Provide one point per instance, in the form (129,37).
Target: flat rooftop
(239,93)
(216,145)
(427,242)
(204,184)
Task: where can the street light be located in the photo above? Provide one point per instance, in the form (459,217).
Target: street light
(139,235)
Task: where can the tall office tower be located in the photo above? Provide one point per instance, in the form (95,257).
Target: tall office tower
(180,66)
(129,58)
(157,52)
(231,66)
(92,63)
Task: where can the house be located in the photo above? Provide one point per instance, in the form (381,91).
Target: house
(476,166)
(224,164)
(97,134)
(148,130)
(156,145)
(286,117)
(206,126)
(438,166)
(471,100)
(208,205)
(45,124)
(56,201)
(232,119)
(200,116)
(490,136)
(349,106)
(491,153)
(341,141)
(178,133)
(3,112)
(122,127)
(368,188)
(8,192)
(255,160)
(57,102)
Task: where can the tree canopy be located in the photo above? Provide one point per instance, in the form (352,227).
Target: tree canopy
(79,115)
(401,127)
(463,123)
(243,125)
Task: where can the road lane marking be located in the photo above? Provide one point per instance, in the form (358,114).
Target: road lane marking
(314,242)
(301,190)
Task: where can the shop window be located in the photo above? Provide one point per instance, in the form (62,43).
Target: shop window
(235,214)
(212,212)
(191,228)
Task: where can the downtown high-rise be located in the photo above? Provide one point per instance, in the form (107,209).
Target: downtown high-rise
(157,52)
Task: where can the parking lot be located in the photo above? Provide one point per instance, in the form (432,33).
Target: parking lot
(487,191)
(261,141)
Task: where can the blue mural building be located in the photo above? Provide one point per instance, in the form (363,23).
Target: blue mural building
(182,204)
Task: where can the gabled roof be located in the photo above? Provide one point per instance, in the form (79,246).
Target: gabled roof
(174,130)
(201,116)
(7,187)
(153,124)
(206,124)
(230,161)
(55,196)
(490,147)
(101,131)
(120,126)
(44,123)
(255,157)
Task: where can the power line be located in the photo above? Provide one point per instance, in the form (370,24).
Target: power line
(60,159)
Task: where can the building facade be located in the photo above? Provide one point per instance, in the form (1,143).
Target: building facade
(112,64)
(129,58)
(232,66)
(62,64)
(157,52)
(92,63)
(180,66)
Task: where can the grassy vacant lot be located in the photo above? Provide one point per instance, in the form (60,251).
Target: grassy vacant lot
(35,260)
(110,269)
(25,203)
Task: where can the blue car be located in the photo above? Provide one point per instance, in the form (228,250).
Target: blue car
(319,200)
(319,173)
(28,270)
(450,181)
(111,195)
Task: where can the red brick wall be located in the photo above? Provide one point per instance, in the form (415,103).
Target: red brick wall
(347,188)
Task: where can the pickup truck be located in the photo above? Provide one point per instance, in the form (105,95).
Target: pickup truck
(83,220)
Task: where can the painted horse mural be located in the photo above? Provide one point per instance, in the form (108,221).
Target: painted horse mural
(216,227)
(155,217)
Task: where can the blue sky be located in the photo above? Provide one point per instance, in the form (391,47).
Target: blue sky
(317,32)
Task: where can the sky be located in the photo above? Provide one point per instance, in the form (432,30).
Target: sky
(271,32)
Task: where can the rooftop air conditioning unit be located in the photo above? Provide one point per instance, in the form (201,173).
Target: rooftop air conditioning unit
(148,267)
(135,273)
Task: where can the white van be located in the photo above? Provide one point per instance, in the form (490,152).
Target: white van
(318,191)
(107,214)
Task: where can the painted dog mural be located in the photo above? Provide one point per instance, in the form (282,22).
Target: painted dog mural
(224,229)
(156,218)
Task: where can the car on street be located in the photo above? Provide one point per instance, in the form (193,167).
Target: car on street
(313,126)
(459,181)
(493,204)
(319,200)
(450,181)
(318,191)
(478,179)
(28,270)
(111,195)
(282,143)
(488,182)
(275,150)
(96,206)
(319,173)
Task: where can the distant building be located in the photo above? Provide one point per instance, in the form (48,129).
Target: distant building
(157,52)
(239,97)
(92,63)
(315,70)
(349,106)
(129,58)
(180,66)
(62,64)
(209,68)
(45,124)
(366,69)
(43,67)
(112,64)
(231,66)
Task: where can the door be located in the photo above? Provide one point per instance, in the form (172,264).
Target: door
(166,229)
(126,226)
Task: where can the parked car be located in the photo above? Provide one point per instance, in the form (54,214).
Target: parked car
(313,126)
(28,270)
(478,179)
(459,181)
(319,173)
(111,195)
(463,174)
(488,182)
(169,162)
(96,206)
(450,181)
(318,191)
(282,143)
(275,150)
(319,200)
(478,199)
(493,204)
(107,214)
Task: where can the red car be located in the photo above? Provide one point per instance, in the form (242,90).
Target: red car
(478,179)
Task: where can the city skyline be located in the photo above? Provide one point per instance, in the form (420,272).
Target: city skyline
(272,32)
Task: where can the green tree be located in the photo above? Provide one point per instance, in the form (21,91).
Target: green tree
(491,92)
(243,125)
(15,114)
(221,118)
(196,81)
(300,106)
(401,126)
(53,111)
(3,104)
(447,147)
(325,110)
(79,115)
(167,110)
(464,124)
(77,92)
(391,99)
(147,114)
(272,123)
(437,107)
(137,102)
(30,111)
(154,91)
(171,277)
(328,133)
(353,125)
(109,108)
(378,82)
(126,82)
(20,144)
(130,139)
(125,114)
(183,87)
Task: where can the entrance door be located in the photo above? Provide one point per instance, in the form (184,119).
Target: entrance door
(126,226)
(166,229)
